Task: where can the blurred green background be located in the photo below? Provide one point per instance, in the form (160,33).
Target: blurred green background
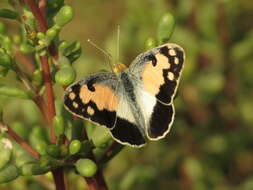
(210,145)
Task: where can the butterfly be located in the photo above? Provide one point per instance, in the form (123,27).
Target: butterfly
(135,103)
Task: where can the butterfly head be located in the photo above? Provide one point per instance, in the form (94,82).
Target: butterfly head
(118,67)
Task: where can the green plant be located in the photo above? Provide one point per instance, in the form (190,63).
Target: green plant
(40,60)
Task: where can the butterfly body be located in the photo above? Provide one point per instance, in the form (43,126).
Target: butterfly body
(136,103)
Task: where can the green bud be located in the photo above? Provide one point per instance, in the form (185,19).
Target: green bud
(62,46)
(37,77)
(64,62)
(6,151)
(75,147)
(86,167)
(101,137)
(7,13)
(59,125)
(39,139)
(65,76)
(8,173)
(40,146)
(48,162)
(150,43)
(22,158)
(26,48)
(12,91)
(52,33)
(64,16)
(5,59)
(53,151)
(2,28)
(33,169)
(40,35)
(165,28)
(64,151)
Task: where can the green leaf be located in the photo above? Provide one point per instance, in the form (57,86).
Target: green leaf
(5,59)
(7,13)
(12,91)
(101,137)
(9,173)
(33,169)
(6,152)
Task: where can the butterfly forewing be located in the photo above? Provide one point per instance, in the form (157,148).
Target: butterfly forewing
(94,98)
(159,71)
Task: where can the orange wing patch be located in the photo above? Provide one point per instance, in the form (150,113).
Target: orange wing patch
(102,96)
(153,75)
(162,72)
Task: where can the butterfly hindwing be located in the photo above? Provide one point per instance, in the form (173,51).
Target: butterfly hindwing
(94,98)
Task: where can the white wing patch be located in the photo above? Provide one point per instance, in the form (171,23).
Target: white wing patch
(147,103)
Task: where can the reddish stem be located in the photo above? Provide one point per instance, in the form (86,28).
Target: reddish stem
(59,179)
(43,7)
(49,93)
(38,15)
(20,141)
(96,182)
(40,102)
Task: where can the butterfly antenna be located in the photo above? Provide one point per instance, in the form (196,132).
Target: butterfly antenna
(118,42)
(107,55)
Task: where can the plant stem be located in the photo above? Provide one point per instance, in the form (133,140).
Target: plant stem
(49,93)
(59,178)
(19,140)
(37,14)
(58,173)
(96,182)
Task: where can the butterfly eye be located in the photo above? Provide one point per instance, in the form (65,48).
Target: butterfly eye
(151,58)
(90,86)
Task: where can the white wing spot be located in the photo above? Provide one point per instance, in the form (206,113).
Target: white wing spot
(176,60)
(170,76)
(172,52)
(72,95)
(75,104)
(90,110)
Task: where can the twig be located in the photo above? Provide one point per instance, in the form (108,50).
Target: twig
(19,140)
(58,173)
(37,14)
(49,93)
(43,7)
(59,178)
(111,152)
(96,182)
